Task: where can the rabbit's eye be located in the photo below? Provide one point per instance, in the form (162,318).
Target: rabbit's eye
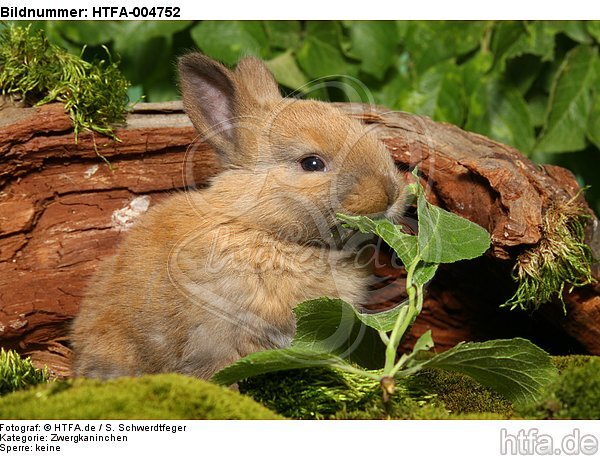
(312,163)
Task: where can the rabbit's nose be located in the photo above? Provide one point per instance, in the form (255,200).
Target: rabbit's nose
(368,197)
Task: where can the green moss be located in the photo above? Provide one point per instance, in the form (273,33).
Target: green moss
(33,69)
(167,396)
(326,394)
(17,373)
(300,394)
(310,393)
(563,362)
(332,394)
(462,396)
(574,395)
(560,259)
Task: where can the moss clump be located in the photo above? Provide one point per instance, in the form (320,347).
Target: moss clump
(462,396)
(17,373)
(561,258)
(564,362)
(94,94)
(574,395)
(333,394)
(167,396)
(327,394)
(311,393)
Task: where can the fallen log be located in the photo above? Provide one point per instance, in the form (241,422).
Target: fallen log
(63,209)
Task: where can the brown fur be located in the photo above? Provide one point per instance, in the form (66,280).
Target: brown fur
(210,276)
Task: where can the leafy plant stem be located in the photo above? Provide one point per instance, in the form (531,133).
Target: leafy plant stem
(384,337)
(404,320)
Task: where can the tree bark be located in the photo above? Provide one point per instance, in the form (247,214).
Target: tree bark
(63,209)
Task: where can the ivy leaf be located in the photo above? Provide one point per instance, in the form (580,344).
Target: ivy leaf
(287,72)
(124,32)
(500,112)
(445,237)
(474,70)
(431,42)
(505,35)
(438,93)
(514,39)
(593,130)
(570,103)
(151,61)
(576,30)
(537,109)
(319,58)
(374,43)
(230,40)
(283,34)
(593,28)
(515,368)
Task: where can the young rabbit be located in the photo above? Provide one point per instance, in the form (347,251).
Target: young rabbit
(209,276)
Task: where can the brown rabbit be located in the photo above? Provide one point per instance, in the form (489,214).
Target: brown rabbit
(209,276)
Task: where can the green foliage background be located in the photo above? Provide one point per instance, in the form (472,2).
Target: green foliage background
(532,84)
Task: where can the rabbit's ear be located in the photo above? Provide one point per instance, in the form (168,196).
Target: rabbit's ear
(256,83)
(208,90)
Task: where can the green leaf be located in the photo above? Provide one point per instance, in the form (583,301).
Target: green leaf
(329,333)
(374,43)
(90,33)
(474,71)
(319,58)
(500,112)
(445,237)
(431,42)
(515,368)
(423,343)
(126,32)
(382,321)
(593,28)
(228,41)
(287,72)
(537,109)
(570,103)
(593,129)
(506,35)
(514,39)
(151,62)
(398,83)
(576,30)
(333,326)
(405,245)
(277,360)
(283,34)
(438,93)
